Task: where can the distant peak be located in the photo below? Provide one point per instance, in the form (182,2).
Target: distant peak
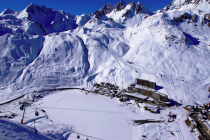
(120,6)
(104,10)
(31,4)
(7,11)
(177,4)
(132,3)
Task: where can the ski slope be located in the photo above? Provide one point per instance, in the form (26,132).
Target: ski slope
(10,130)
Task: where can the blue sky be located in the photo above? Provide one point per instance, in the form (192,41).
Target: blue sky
(77,7)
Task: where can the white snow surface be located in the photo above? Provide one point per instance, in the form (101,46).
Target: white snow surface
(184,5)
(10,131)
(73,112)
(46,54)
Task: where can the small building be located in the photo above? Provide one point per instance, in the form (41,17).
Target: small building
(163,98)
(155,96)
(96,91)
(206,126)
(106,94)
(135,90)
(130,89)
(208,16)
(191,122)
(145,83)
(96,85)
(188,108)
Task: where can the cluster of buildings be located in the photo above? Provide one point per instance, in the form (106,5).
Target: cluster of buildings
(199,120)
(146,96)
(153,105)
(107,89)
(158,97)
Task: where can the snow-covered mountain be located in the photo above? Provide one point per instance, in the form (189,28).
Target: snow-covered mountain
(42,48)
(182,5)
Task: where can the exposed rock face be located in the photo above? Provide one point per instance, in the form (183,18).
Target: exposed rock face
(132,3)
(182,2)
(177,4)
(120,6)
(103,11)
(192,1)
(138,8)
(185,16)
(7,11)
(127,13)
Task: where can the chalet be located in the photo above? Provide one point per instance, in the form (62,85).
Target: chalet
(191,122)
(206,126)
(106,94)
(188,108)
(96,85)
(111,96)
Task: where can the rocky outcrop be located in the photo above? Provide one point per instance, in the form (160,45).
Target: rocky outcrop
(133,9)
(138,8)
(7,11)
(103,11)
(120,6)
(127,13)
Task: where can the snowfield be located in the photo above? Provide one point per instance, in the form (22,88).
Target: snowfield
(10,130)
(172,54)
(43,49)
(71,113)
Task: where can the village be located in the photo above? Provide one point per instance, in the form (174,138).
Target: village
(146,97)
(142,91)
(199,120)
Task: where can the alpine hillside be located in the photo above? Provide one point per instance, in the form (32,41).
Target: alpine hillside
(42,48)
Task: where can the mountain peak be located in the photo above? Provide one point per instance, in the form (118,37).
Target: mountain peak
(32,8)
(120,6)
(132,3)
(31,4)
(7,11)
(104,10)
(138,8)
